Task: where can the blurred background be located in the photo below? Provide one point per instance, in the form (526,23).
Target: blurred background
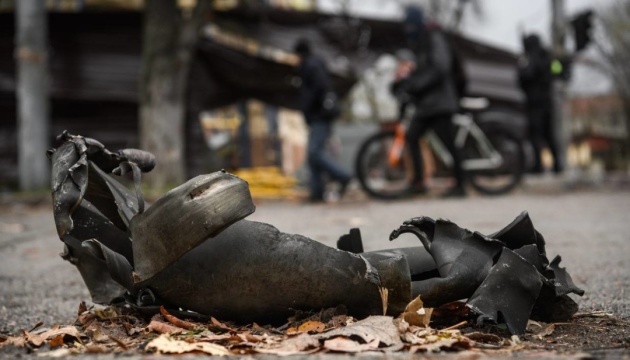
(207,85)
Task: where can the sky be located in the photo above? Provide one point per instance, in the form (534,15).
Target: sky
(501,25)
(503,20)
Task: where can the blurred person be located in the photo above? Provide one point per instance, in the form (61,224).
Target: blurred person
(535,80)
(319,105)
(427,81)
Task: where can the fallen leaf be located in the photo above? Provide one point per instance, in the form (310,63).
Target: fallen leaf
(17,341)
(311,327)
(381,328)
(56,341)
(384,298)
(95,349)
(250,338)
(39,339)
(450,313)
(131,330)
(163,328)
(301,344)
(119,343)
(220,325)
(343,344)
(416,314)
(82,308)
(96,334)
(216,337)
(39,323)
(106,313)
(337,321)
(176,321)
(545,332)
(86,318)
(164,344)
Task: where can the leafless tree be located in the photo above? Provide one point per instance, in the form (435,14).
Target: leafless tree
(612,38)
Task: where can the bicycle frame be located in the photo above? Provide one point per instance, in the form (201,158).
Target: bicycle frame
(466,127)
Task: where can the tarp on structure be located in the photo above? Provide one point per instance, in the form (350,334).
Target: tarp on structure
(250,54)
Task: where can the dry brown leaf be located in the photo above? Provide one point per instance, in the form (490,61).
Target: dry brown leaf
(106,313)
(86,318)
(131,330)
(95,349)
(449,314)
(56,341)
(176,321)
(430,340)
(164,344)
(163,328)
(337,321)
(17,341)
(384,298)
(545,332)
(119,343)
(416,314)
(97,335)
(312,327)
(39,339)
(250,338)
(220,325)
(301,344)
(343,344)
(381,328)
(216,337)
(82,308)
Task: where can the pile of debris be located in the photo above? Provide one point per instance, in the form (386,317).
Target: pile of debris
(193,250)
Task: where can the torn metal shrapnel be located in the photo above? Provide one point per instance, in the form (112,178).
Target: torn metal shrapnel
(194,250)
(505,276)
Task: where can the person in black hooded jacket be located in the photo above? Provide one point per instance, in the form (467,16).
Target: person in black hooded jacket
(431,88)
(316,100)
(535,80)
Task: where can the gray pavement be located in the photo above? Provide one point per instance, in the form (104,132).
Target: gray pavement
(589,227)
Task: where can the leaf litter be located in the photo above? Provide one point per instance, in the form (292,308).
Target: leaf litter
(123,330)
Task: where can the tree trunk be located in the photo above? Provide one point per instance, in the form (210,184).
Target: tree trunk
(167,50)
(32,94)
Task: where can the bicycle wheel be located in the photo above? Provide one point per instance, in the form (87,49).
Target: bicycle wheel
(374,172)
(507,174)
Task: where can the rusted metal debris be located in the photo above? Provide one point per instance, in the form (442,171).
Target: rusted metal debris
(192,249)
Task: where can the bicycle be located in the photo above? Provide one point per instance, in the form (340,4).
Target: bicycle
(494,159)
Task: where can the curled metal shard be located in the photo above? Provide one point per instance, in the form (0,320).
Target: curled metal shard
(193,249)
(186,217)
(505,276)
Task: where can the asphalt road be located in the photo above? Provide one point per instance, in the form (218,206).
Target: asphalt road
(589,227)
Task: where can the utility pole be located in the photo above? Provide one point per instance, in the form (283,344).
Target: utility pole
(561,126)
(32,94)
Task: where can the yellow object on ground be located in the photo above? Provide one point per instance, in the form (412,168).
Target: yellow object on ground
(268,182)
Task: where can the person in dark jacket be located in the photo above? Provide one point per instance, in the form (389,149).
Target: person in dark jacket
(430,86)
(535,80)
(318,103)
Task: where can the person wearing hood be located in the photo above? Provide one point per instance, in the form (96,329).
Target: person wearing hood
(320,108)
(535,80)
(430,86)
